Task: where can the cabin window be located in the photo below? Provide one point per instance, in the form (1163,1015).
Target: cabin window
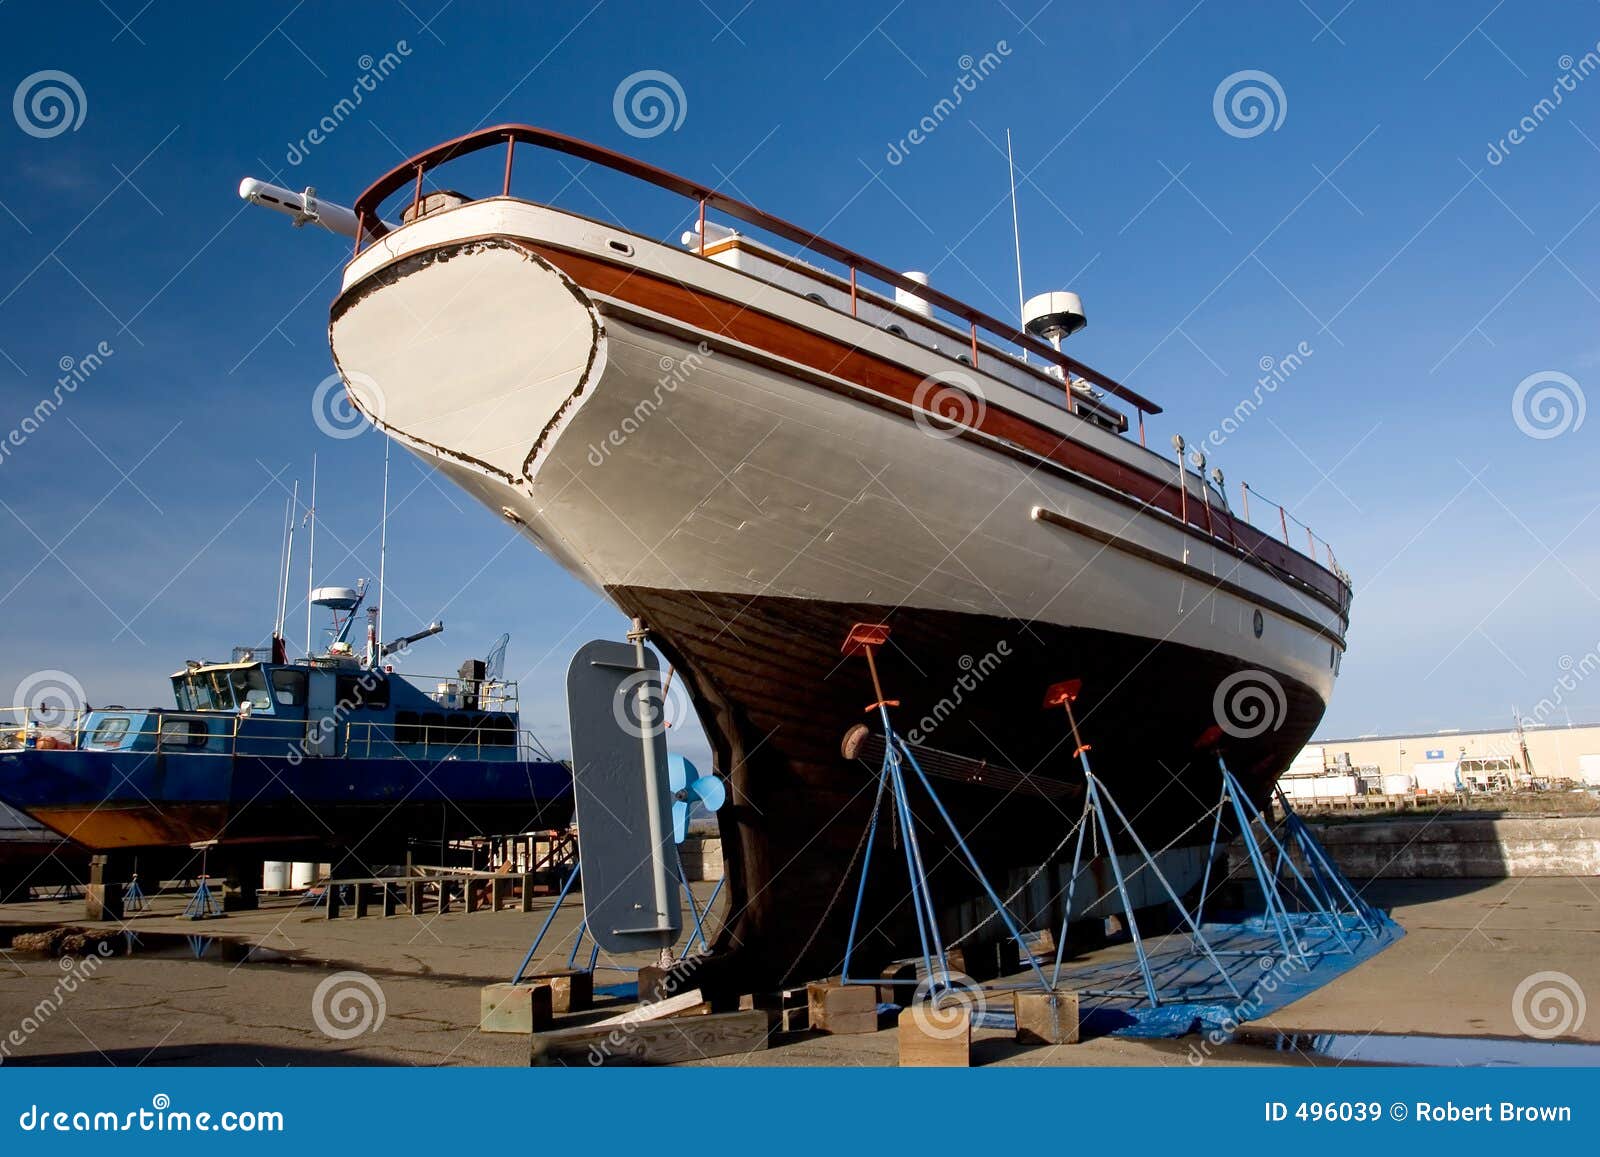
(894,329)
(249,687)
(407,727)
(289,687)
(184,733)
(817,297)
(109,733)
(368,691)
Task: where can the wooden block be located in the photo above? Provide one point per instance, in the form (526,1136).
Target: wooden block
(102,902)
(571,989)
(527,892)
(391,899)
(788,1010)
(933,1036)
(657,983)
(1047,1018)
(444,896)
(330,900)
(514,1008)
(671,1040)
(842,1008)
(363,895)
(499,892)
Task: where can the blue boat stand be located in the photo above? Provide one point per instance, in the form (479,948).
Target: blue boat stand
(594,951)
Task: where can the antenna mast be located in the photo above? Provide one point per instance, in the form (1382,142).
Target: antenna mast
(1016,237)
(383,540)
(311,553)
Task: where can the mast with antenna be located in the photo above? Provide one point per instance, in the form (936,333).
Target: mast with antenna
(311,552)
(1016,237)
(383,543)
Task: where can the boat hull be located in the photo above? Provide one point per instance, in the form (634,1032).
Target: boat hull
(115,801)
(749,487)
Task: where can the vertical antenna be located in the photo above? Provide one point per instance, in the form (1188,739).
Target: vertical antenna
(311,553)
(1016,237)
(283,546)
(383,541)
(288,563)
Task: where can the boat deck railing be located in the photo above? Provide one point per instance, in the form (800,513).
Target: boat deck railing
(410,175)
(226,734)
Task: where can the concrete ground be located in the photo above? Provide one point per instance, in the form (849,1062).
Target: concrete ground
(1470,943)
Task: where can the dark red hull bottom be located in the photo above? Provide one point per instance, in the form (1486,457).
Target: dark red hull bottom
(775,696)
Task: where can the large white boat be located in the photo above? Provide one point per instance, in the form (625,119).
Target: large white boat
(750,441)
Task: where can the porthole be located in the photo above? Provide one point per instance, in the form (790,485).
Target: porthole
(964,359)
(817,297)
(1333,656)
(621,247)
(894,329)
(1258,624)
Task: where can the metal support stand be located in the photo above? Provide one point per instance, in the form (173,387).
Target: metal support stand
(893,786)
(583,926)
(1096,803)
(134,899)
(204,903)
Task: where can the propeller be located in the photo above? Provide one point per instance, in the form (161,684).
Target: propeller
(687,786)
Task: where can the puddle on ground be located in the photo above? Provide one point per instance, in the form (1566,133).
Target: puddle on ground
(1445,1051)
(169,945)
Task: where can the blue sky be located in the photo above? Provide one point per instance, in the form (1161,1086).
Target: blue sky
(141,520)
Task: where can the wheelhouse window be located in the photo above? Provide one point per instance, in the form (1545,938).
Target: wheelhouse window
(249,686)
(289,687)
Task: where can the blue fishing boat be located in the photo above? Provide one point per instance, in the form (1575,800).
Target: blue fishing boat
(337,750)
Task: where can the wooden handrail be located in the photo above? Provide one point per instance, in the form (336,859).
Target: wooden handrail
(367,210)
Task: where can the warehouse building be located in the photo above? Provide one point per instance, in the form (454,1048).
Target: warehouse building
(1530,757)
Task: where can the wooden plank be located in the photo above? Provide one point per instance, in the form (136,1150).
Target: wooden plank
(656,1009)
(671,1040)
